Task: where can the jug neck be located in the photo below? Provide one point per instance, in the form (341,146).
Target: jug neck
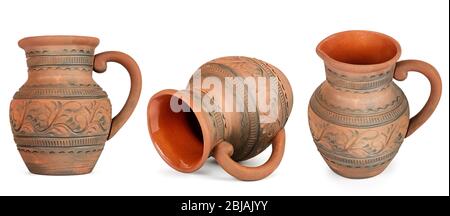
(359,82)
(61,67)
(59,52)
(60,58)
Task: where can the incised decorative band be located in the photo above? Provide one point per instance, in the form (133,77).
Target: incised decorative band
(45,61)
(85,92)
(215,116)
(250,119)
(66,59)
(60,151)
(358,162)
(359,83)
(282,93)
(359,120)
(59,141)
(62,52)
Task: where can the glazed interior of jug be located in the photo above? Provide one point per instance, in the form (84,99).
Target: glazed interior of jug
(359,48)
(177,136)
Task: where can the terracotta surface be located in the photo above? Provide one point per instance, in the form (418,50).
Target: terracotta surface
(60,117)
(186,139)
(358,117)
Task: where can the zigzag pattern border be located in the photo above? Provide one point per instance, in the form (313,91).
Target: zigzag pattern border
(358,162)
(59,67)
(59,141)
(29,93)
(40,151)
(86,52)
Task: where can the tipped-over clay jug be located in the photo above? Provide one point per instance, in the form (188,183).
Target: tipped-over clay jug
(359,117)
(233,109)
(60,117)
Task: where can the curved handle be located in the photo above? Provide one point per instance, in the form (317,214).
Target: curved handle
(224,150)
(126,61)
(401,73)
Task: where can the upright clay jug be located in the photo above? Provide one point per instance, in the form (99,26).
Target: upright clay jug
(220,115)
(60,117)
(359,116)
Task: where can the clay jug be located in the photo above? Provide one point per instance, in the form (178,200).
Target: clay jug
(359,117)
(60,117)
(220,114)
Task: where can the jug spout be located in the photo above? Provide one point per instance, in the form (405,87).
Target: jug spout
(359,61)
(359,51)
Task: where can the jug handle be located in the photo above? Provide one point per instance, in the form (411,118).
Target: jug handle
(401,73)
(100,65)
(224,150)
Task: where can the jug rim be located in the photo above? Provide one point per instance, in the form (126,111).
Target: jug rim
(352,67)
(55,40)
(207,135)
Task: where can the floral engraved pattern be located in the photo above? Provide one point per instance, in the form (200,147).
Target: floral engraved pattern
(60,118)
(358,143)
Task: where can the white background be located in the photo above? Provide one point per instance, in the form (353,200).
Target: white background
(170,39)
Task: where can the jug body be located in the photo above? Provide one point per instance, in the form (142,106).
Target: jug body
(358,131)
(249,123)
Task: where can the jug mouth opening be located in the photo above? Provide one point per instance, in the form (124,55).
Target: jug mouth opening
(359,48)
(181,138)
(57,40)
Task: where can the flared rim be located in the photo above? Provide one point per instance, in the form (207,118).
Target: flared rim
(55,40)
(202,120)
(360,67)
